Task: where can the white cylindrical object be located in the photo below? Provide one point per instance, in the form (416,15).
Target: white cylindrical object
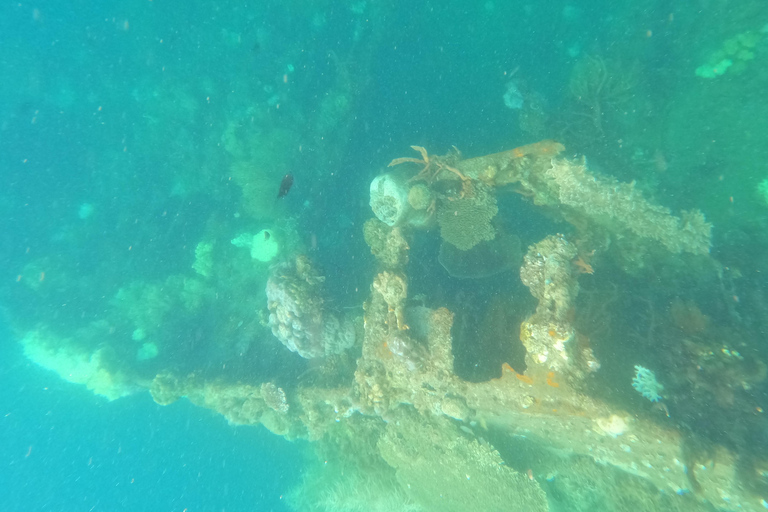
(389,199)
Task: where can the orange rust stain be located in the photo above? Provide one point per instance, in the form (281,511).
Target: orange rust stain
(550,376)
(506,368)
(552,332)
(384,352)
(544,147)
(524,378)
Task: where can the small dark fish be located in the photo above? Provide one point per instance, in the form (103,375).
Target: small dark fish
(285,185)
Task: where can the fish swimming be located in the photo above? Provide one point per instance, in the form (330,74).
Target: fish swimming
(285,185)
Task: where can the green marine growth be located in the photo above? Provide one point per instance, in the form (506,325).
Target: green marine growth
(734,54)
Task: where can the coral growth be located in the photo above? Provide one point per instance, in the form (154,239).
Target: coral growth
(419,196)
(394,290)
(297,315)
(397,408)
(599,86)
(601,208)
(344,492)
(620,208)
(203,264)
(274,397)
(471,475)
(387,244)
(646,384)
(75,363)
(466,221)
(549,273)
(735,54)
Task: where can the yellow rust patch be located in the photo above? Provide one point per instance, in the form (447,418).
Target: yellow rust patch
(550,381)
(524,378)
(541,148)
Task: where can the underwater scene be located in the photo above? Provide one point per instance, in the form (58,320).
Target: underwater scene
(384,256)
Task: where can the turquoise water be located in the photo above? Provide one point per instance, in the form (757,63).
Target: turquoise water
(145,367)
(65,449)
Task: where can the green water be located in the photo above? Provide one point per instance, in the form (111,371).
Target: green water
(139,140)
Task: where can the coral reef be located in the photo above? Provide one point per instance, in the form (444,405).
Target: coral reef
(646,384)
(599,88)
(146,305)
(363,491)
(620,208)
(466,221)
(419,196)
(257,188)
(297,315)
(396,413)
(447,471)
(601,208)
(203,264)
(521,164)
(548,273)
(147,351)
(393,288)
(274,397)
(388,245)
(735,54)
(75,363)
(167,387)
